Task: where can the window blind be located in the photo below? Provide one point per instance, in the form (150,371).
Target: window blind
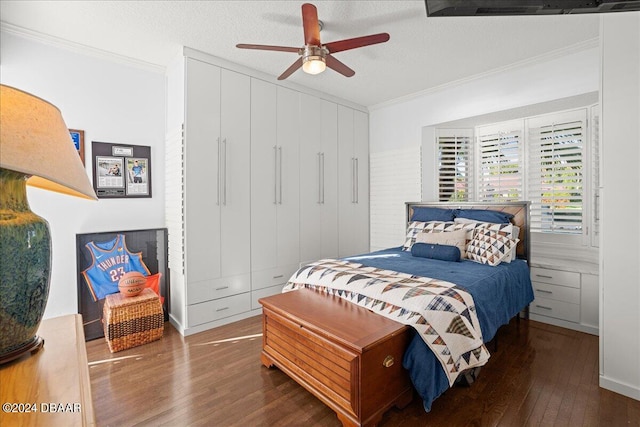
(500,163)
(455,172)
(555,178)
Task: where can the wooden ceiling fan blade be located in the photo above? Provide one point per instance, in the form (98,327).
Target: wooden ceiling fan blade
(338,66)
(341,45)
(267,47)
(310,24)
(291,69)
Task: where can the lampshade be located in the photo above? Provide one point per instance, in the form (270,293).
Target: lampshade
(35,140)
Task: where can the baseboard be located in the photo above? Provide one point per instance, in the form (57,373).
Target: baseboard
(620,388)
(565,324)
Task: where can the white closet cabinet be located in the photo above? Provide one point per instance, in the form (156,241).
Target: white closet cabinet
(353,181)
(318,179)
(275,198)
(216,192)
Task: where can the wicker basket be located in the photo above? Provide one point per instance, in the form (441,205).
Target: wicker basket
(132,321)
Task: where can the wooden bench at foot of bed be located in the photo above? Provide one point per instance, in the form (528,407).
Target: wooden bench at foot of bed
(348,357)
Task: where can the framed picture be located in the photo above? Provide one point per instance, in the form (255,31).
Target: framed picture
(150,244)
(137,176)
(77,136)
(121,170)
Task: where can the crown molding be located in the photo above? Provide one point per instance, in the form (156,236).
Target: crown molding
(80,48)
(546,57)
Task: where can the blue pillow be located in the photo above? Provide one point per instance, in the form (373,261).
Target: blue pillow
(434,251)
(484,215)
(421,213)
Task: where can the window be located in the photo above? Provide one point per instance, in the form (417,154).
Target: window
(500,162)
(550,151)
(455,147)
(555,179)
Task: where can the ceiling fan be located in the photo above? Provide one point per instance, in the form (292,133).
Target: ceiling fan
(315,56)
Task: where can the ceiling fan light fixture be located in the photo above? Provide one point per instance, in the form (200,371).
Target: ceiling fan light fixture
(313,60)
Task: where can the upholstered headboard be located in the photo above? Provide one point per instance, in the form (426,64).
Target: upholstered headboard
(519,210)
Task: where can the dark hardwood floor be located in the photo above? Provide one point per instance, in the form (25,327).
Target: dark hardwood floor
(539,375)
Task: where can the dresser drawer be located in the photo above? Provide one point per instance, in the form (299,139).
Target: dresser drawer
(558,293)
(555,277)
(557,309)
(218,309)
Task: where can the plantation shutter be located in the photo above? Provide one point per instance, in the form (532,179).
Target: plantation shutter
(455,182)
(555,185)
(500,149)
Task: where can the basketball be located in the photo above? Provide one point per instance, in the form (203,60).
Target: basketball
(132,283)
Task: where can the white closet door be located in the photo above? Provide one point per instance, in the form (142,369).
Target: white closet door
(288,187)
(264,190)
(346,181)
(202,213)
(235,174)
(329,218)
(311,180)
(361,207)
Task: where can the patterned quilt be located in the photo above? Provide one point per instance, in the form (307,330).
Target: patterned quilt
(442,313)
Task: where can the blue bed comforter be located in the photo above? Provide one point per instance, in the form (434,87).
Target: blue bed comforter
(499,293)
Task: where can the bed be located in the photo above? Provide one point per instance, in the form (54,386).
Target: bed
(469,294)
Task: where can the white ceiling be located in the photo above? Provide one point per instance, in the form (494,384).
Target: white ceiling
(422,53)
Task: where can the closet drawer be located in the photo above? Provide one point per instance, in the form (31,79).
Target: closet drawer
(218,309)
(218,288)
(272,276)
(555,277)
(557,309)
(558,293)
(263,293)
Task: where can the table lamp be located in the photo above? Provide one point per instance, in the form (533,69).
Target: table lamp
(35,149)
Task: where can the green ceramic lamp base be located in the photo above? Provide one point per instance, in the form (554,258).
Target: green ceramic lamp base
(25,263)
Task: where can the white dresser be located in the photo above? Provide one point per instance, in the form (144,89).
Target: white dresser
(565,294)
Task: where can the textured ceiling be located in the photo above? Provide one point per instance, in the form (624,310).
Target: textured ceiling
(422,53)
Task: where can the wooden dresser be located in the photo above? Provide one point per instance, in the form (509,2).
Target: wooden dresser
(52,387)
(347,356)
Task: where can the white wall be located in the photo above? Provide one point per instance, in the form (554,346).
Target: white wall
(620,195)
(111,102)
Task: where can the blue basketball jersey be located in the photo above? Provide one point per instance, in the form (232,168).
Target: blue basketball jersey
(110,261)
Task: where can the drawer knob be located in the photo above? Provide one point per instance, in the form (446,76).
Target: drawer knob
(388,361)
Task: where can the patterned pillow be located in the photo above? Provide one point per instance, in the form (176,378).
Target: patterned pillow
(508,230)
(416,227)
(490,247)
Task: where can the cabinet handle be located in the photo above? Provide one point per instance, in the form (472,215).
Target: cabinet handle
(543,276)
(280,170)
(221,288)
(388,361)
(280,276)
(275,175)
(224,187)
(357,186)
(223,309)
(319,178)
(544,291)
(543,307)
(353,180)
(218,189)
(323,178)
